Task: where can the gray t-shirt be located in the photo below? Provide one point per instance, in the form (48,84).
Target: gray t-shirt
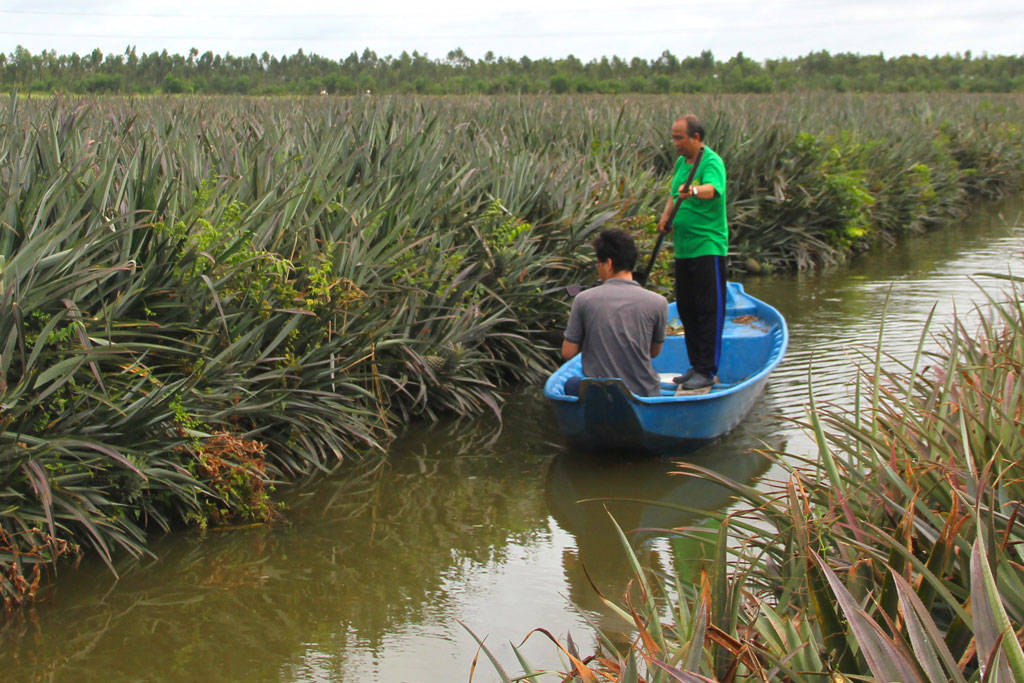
(615,324)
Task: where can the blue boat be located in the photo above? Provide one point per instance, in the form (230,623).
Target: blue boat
(607,416)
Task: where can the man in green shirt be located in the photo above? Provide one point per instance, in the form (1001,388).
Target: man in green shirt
(700,234)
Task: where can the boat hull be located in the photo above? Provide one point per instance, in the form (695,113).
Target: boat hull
(607,417)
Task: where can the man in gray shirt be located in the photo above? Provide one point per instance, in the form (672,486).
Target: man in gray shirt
(619,325)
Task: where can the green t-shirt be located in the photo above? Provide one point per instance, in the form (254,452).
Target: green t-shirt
(700,227)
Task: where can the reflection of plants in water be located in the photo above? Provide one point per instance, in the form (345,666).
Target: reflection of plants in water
(367,552)
(650,499)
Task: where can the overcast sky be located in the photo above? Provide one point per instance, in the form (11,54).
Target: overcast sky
(588,29)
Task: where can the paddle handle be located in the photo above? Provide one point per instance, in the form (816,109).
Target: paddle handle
(643,276)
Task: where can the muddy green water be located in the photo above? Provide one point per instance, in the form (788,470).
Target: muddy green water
(475,524)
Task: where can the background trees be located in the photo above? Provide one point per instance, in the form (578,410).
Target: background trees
(456,72)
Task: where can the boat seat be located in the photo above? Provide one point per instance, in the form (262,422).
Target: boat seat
(737,304)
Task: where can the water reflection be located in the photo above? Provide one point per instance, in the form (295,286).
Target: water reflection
(647,498)
(372,563)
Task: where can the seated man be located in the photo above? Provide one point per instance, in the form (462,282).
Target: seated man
(619,325)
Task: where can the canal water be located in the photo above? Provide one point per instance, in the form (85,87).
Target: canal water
(481,528)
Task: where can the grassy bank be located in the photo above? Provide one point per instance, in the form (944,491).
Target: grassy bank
(202,298)
(894,554)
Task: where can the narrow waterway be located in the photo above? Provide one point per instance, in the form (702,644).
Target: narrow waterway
(475,525)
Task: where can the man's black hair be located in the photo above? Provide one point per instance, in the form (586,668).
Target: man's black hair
(617,246)
(693,126)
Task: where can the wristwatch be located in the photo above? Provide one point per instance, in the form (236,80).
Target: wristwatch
(693,190)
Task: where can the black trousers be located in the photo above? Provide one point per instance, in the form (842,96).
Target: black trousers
(700,300)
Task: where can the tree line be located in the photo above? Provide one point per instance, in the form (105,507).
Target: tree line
(302,74)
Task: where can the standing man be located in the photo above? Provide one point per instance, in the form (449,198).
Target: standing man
(701,237)
(619,325)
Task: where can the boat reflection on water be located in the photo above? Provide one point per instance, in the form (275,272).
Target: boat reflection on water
(585,491)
